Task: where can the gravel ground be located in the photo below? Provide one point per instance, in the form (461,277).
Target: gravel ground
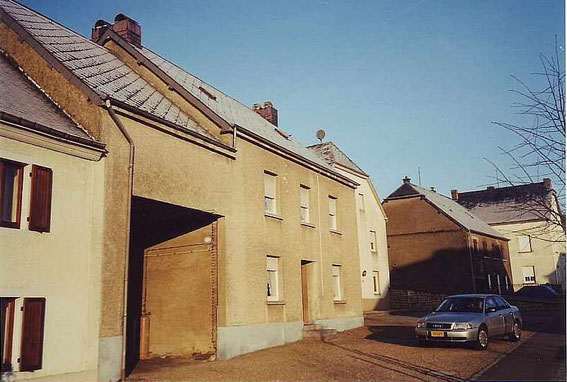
(384,349)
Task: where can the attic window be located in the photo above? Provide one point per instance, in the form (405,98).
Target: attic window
(283,134)
(207,93)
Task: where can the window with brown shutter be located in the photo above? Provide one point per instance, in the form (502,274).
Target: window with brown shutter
(11,180)
(8,305)
(40,209)
(31,354)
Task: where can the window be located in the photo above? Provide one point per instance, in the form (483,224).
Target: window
(529,275)
(491,303)
(273,279)
(373,241)
(11,174)
(332,212)
(484,248)
(361,202)
(304,203)
(489,282)
(525,243)
(337,283)
(502,304)
(40,209)
(270,193)
(475,245)
(7,331)
(495,250)
(31,354)
(376,282)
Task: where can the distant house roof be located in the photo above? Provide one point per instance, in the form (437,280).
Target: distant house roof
(95,66)
(331,154)
(447,206)
(509,204)
(22,102)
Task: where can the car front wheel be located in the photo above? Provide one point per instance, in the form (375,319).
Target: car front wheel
(516,332)
(482,339)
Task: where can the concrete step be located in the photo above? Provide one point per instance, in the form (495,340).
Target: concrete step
(307,327)
(317,332)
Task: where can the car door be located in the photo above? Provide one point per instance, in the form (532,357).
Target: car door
(506,311)
(494,319)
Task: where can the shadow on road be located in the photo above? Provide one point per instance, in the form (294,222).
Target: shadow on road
(403,335)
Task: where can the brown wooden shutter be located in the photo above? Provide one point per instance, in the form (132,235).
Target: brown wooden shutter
(32,334)
(40,210)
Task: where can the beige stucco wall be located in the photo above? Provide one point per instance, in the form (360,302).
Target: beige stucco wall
(544,257)
(371,218)
(64,265)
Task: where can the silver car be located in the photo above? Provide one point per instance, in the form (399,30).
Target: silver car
(470,318)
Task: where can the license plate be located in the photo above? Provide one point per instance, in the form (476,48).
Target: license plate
(437,333)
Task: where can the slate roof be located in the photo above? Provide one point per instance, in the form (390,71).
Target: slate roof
(331,154)
(449,207)
(96,66)
(509,204)
(21,101)
(231,110)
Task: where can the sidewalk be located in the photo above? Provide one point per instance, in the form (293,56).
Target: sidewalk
(540,358)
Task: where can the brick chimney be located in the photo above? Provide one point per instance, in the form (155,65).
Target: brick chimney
(406,180)
(547,183)
(455,194)
(99,28)
(124,26)
(267,111)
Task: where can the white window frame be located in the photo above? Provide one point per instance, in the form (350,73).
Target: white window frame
(332,213)
(529,277)
(524,244)
(304,195)
(272,274)
(270,192)
(489,282)
(376,282)
(337,282)
(373,241)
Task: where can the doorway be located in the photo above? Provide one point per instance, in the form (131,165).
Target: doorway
(306,267)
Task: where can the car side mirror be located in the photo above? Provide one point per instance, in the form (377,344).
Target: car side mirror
(490,310)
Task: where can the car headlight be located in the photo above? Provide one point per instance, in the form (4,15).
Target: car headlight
(421,324)
(462,326)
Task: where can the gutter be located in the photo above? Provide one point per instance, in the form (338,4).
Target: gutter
(128,138)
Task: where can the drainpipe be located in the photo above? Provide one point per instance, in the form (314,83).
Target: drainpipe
(128,219)
(471,260)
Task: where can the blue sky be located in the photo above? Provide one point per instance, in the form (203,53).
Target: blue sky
(395,84)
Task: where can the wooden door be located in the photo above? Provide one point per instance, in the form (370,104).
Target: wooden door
(305,290)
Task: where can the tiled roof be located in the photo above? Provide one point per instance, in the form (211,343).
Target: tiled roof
(449,207)
(509,204)
(331,154)
(22,99)
(229,109)
(96,66)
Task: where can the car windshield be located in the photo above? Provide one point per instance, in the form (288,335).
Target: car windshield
(462,304)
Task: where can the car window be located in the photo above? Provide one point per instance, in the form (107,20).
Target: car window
(502,304)
(491,303)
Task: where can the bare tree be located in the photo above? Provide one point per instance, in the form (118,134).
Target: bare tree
(539,151)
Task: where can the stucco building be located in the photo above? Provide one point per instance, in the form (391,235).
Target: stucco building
(529,216)
(438,246)
(51,198)
(197,187)
(371,219)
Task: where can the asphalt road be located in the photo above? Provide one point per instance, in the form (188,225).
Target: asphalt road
(385,350)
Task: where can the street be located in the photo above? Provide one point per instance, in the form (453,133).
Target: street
(385,349)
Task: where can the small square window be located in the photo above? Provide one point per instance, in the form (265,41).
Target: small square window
(272,285)
(337,284)
(376,282)
(525,243)
(332,212)
(270,193)
(529,275)
(373,241)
